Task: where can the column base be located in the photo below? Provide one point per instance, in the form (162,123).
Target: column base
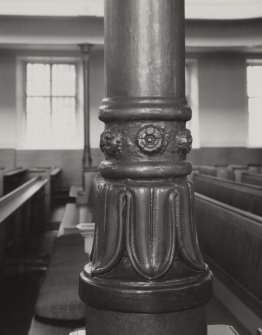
(211,330)
(104,322)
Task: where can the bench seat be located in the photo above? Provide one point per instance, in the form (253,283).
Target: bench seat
(58,298)
(73,215)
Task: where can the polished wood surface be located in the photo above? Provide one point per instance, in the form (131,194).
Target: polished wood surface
(231,240)
(14,200)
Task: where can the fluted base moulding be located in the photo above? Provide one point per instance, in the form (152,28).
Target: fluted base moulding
(145,257)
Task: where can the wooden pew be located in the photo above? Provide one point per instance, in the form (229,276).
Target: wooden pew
(44,173)
(255,168)
(55,172)
(222,171)
(235,171)
(251,178)
(52,176)
(231,240)
(77,213)
(243,196)
(55,175)
(1,182)
(231,172)
(57,312)
(21,216)
(208,170)
(59,309)
(14,178)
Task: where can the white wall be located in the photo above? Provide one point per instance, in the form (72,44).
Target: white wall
(96,95)
(7,101)
(222,101)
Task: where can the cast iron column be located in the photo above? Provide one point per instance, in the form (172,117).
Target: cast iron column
(147,275)
(87,158)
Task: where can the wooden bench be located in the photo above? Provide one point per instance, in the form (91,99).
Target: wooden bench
(243,196)
(21,216)
(231,240)
(55,171)
(70,220)
(55,174)
(59,309)
(231,172)
(56,314)
(235,171)
(208,170)
(14,178)
(255,168)
(74,191)
(76,213)
(251,178)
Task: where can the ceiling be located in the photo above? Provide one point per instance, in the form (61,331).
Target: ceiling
(195,9)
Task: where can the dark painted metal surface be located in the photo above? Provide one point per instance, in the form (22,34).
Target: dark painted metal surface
(85,51)
(146,261)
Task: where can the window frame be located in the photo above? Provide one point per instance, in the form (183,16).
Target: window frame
(22,62)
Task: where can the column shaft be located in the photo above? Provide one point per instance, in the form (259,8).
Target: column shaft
(147,274)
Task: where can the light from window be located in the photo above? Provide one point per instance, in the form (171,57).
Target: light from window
(192,99)
(51,106)
(254,92)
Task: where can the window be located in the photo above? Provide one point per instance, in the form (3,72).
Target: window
(51,106)
(192,99)
(254,93)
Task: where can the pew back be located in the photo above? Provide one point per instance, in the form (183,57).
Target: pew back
(251,178)
(242,196)
(13,179)
(232,241)
(21,213)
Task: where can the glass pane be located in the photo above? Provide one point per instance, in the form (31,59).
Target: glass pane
(255,121)
(51,106)
(63,80)
(38,121)
(64,121)
(254,81)
(38,80)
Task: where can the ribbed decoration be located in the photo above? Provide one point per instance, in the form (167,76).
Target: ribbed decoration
(137,223)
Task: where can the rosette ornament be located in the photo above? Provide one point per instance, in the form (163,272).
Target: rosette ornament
(151,139)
